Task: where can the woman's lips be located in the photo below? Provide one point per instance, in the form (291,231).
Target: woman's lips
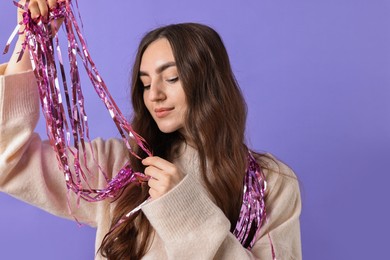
(162,112)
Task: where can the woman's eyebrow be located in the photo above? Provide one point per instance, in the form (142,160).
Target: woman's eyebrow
(159,69)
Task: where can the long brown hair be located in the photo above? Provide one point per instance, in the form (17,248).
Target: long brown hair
(215,123)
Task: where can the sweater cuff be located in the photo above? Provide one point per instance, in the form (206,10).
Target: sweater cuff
(18,95)
(183,209)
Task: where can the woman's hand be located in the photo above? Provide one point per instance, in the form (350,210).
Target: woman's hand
(38,8)
(164,176)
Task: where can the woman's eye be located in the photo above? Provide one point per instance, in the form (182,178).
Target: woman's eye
(172,80)
(146,87)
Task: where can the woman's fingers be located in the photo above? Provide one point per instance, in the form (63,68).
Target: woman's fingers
(154,172)
(52,4)
(158,163)
(41,8)
(33,6)
(158,186)
(164,176)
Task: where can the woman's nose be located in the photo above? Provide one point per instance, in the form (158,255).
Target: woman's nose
(156,92)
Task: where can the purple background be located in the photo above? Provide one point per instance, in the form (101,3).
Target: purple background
(316,77)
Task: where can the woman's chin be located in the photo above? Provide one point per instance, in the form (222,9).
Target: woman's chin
(167,130)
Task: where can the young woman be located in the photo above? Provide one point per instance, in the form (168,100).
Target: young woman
(189,108)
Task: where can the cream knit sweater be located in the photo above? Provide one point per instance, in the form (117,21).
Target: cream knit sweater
(187,224)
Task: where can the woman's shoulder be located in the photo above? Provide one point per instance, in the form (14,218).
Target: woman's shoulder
(278,175)
(270,164)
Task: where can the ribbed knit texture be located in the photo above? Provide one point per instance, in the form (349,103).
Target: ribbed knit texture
(17,88)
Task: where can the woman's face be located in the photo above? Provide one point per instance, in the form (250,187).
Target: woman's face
(164,96)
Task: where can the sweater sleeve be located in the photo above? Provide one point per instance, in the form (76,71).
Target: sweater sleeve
(29,168)
(191,226)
